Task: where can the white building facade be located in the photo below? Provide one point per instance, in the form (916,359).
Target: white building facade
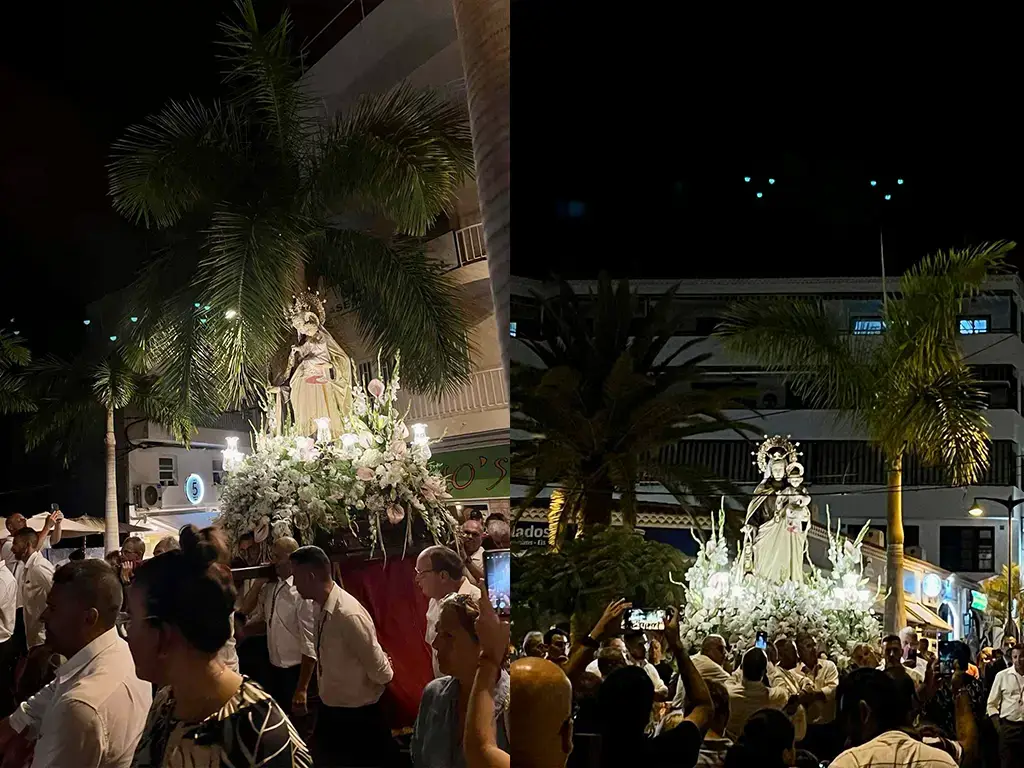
(846,474)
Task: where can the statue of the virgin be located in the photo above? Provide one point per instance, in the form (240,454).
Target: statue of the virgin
(319,372)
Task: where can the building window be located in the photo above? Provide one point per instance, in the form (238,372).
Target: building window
(867,326)
(967,548)
(972,325)
(512,329)
(168,471)
(218,471)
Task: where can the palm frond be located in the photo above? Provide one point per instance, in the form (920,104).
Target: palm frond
(173,161)
(403,302)
(247,278)
(402,154)
(264,76)
(802,340)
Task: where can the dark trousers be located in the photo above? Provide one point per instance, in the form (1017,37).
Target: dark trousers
(353,738)
(8,662)
(281,684)
(1011,744)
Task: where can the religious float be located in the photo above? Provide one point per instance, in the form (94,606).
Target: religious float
(336,465)
(767,586)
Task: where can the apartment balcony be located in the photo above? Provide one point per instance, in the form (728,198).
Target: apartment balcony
(463,252)
(480,405)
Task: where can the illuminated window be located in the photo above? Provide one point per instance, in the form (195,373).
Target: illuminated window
(972,325)
(168,471)
(867,326)
(512,329)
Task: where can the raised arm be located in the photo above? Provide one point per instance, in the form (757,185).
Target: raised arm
(584,649)
(480,741)
(696,689)
(966,727)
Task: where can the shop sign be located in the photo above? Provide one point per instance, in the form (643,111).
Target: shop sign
(529,535)
(979,600)
(931,585)
(477,474)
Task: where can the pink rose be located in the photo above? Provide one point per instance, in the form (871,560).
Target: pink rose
(365,474)
(376,388)
(396,514)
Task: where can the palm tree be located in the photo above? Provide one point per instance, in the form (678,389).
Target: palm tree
(77,403)
(13,355)
(609,395)
(484,38)
(259,197)
(995,589)
(908,388)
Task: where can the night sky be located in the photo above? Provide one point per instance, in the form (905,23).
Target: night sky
(634,132)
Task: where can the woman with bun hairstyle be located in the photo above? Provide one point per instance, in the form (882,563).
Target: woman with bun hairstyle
(180,610)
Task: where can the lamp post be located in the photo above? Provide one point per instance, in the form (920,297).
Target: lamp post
(1009,504)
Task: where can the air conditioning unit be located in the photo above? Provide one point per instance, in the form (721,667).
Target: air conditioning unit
(917,552)
(771,399)
(877,538)
(148,496)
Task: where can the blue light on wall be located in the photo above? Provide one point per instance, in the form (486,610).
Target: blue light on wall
(910,582)
(771,181)
(760,195)
(746,179)
(932,585)
(874,183)
(888,197)
(194,489)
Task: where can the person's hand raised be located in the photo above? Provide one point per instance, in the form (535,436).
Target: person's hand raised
(611,620)
(492,632)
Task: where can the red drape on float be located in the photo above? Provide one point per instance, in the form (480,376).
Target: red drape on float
(399,611)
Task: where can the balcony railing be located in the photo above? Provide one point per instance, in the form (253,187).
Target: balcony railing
(485,390)
(470,245)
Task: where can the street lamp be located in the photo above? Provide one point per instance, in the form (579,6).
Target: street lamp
(1009,505)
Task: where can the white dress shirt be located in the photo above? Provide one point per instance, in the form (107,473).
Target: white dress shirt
(825,678)
(707,668)
(93,713)
(8,604)
(434,615)
(35,579)
(660,689)
(894,749)
(1006,698)
(747,698)
(13,564)
(913,672)
(792,682)
(352,669)
(290,623)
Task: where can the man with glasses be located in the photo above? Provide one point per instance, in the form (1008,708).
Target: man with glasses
(439,573)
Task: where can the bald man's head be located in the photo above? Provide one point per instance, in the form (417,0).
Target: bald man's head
(540,714)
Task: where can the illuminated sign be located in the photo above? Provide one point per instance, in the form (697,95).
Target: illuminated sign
(979,600)
(931,585)
(194,489)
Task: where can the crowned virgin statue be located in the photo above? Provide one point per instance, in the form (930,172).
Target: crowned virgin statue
(319,373)
(778,515)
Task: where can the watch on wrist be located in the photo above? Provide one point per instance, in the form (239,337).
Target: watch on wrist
(589,642)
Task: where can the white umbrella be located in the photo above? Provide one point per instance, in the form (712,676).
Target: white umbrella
(85,525)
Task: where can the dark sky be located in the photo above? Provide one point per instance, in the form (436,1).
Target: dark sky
(634,136)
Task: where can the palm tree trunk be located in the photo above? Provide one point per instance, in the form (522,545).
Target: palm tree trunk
(483,30)
(110,527)
(597,507)
(895,603)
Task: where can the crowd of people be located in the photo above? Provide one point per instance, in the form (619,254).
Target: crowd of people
(127,661)
(643,696)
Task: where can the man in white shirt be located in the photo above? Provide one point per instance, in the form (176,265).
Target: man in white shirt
(911,660)
(35,576)
(50,534)
(352,671)
(439,573)
(822,680)
(787,677)
(93,713)
(751,694)
(287,621)
(711,665)
(473,545)
(9,650)
(892,661)
(873,713)
(637,648)
(1006,708)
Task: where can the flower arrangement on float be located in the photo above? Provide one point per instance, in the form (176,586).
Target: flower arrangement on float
(834,607)
(368,479)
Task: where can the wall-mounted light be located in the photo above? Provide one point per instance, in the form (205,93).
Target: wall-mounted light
(419,434)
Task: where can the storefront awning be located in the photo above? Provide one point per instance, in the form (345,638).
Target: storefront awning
(925,617)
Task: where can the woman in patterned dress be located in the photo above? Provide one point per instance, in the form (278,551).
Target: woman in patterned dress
(206,715)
